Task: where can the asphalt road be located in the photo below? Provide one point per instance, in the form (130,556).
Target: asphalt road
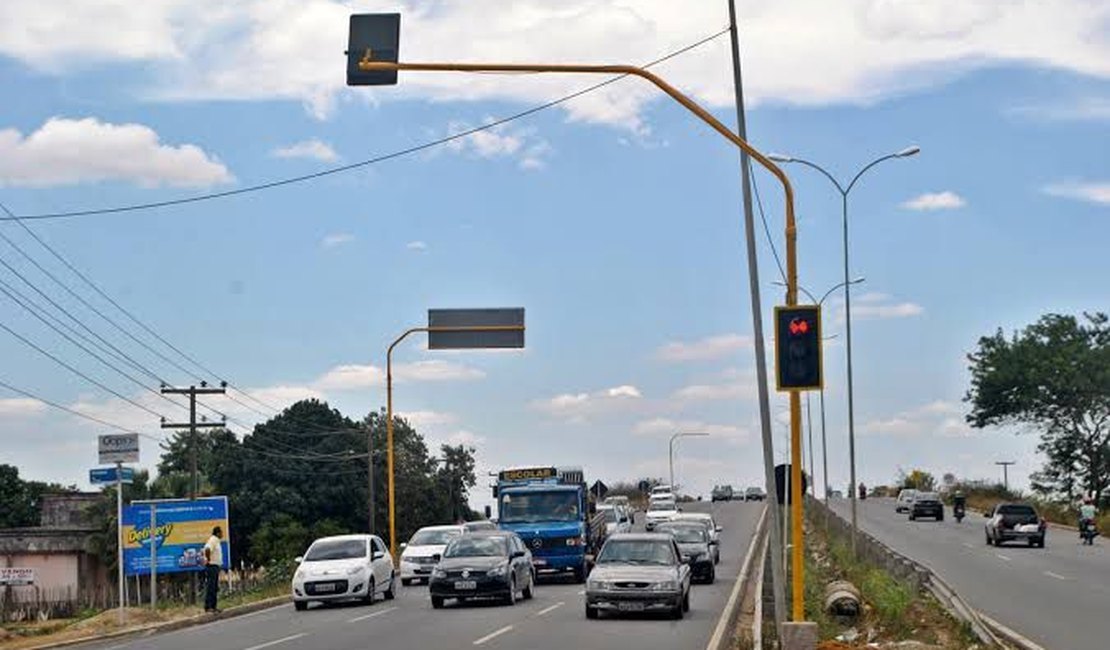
(554,619)
(1058,597)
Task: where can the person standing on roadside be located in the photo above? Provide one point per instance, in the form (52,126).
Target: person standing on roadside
(213,562)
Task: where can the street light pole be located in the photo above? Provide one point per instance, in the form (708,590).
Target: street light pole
(671,452)
(1005,474)
(844,191)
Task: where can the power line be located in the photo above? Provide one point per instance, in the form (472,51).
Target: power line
(362,163)
(766,228)
(91,418)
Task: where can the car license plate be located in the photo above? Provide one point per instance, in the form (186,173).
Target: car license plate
(630,607)
(465,584)
(325,587)
(1027,528)
(422,571)
(539,562)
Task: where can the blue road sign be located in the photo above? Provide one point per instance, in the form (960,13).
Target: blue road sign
(108,475)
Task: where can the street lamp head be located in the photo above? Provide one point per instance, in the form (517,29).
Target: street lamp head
(858,280)
(779,157)
(912,150)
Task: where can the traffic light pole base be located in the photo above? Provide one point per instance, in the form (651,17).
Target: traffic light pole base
(799,636)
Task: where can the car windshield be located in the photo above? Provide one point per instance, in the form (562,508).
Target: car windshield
(476,547)
(432,537)
(336,549)
(1025,511)
(906,494)
(687,534)
(610,515)
(661,505)
(636,552)
(532,507)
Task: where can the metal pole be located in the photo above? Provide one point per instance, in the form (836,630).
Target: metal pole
(389,447)
(671,461)
(370,476)
(851,404)
(809,425)
(119,540)
(778,580)
(153,560)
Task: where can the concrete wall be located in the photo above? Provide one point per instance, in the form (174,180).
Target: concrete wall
(67,510)
(57,576)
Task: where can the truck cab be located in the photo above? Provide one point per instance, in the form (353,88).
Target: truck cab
(550,509)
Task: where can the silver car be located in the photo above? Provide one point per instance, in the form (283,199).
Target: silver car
(639,572)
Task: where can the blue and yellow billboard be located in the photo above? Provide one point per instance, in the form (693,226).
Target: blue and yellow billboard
(181,528)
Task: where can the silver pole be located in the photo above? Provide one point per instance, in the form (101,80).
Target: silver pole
(778,579)
(119,540)
(812,475)
(670,463)
(153,560)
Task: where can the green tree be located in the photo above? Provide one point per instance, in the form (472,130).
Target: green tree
(918,479)
(1053,376)
(22,500)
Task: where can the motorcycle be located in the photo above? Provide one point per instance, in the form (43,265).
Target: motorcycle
(1087,531)
(958,512)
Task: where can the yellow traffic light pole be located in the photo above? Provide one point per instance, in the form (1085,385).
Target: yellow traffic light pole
(367,64)
(389,410)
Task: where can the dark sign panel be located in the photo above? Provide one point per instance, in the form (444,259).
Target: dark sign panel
(526,474)
(798,347)
(467,329)
(375,37)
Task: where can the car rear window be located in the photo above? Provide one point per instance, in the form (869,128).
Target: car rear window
(1026,511)
(927,496)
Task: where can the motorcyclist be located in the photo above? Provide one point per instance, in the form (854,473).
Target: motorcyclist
(1087,513)
(959,502)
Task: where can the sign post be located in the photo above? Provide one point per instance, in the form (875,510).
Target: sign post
(119,449)
(153,558)
(119,536)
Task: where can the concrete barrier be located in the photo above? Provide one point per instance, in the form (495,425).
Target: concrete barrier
(724,633)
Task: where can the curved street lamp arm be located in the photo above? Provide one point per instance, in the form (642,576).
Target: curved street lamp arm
(832,179)
(868,166)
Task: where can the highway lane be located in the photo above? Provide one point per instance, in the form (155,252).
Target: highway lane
(1058,596)
(555,618)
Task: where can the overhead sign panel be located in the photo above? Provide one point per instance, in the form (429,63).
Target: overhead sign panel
(375,37)
(108,475)
(527,474)
(181,528)
(118,448)
(468,329)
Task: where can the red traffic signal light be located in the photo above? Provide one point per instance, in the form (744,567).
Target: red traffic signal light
(798,348)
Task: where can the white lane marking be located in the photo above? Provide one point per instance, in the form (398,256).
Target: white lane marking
(969,545)
(582,593)
(1002,557)
(209,626)
(547,610)
(291,637)
(378,613)
(1055,575)
(493,635)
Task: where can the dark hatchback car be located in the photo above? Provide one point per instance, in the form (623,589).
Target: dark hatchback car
(693,541)
(485,564)
(926,504)
(1015,522)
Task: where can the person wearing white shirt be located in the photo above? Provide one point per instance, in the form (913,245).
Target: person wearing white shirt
(213,562)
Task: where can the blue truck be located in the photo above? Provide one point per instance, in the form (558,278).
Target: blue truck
(552,511)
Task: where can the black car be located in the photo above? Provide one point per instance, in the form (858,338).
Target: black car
(926,504)
(754,494)
(484,564)
(1015,522)
(693,541)
(721,493)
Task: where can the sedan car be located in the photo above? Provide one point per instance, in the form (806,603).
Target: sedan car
(721,493)
(484,564)
(424,550)
(711,528)
(905,500)
(1015,522)
(639,572)
(754,494)
(658,511)
(926,504)
(343,567)
(693,542)
(616,519)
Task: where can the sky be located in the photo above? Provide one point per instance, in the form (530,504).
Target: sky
(614,219)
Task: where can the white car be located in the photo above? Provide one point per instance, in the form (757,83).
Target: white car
(905,500)
(343,567)
(420,555)
(616,519)
(710,525)
(658,511)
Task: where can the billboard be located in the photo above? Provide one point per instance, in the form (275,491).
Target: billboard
(181,529)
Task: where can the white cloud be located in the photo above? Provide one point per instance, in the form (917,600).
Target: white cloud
(876,306)
(1081,109)
(66,151)
(1097,192)
(935,201)
(578,407)
(939,417)
(806,52)
(428,419)
(714,392)
(668,426)
(355,376)
(501,142)
(336,239)
(21,406)
(416,246)
(466,438)
(314,149)
(707,349)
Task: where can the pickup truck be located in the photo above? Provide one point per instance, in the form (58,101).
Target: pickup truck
(1015,522)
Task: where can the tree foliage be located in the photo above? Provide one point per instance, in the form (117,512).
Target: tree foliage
(917,479)
(22,500)
(1052,377)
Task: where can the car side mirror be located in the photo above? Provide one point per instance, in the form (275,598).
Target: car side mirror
(720,528)
(624,520)
(515,554)
(436,557)
(403,545)
(377,555)
(298,559)
(488,511)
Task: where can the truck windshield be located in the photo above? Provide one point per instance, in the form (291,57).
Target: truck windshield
(531,507)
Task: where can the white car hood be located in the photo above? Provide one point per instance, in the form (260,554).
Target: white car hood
(423,551)
(331,567)
(661,514)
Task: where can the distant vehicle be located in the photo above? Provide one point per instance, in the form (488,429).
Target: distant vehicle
(1015,522)
(926,504)
(479,525)
(711,528)
(483,564)
(423,550)
(616,518)
(721,493)
(661,489)
(623,501)
(754,494)
(659,511)
(836,494)
(343,567)
(662,496)
(693,542)
(905,500)
(639,572)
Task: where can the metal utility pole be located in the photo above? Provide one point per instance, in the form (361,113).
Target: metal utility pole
(1005,474)
(670,456)
(370,474)
(192,425)
(778,577)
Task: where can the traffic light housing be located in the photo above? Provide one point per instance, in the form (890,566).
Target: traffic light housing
(798,348)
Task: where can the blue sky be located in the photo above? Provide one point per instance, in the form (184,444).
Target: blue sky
(614,219)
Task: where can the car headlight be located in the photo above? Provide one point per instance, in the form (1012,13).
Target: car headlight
(498,570)
(666,585)
(599,584)
(298,575)
(355,570)
(439,573)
